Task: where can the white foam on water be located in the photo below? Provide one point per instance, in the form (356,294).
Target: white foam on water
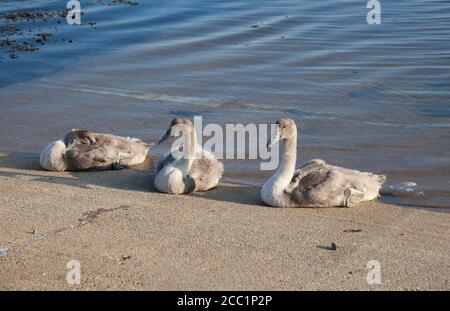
(408,187)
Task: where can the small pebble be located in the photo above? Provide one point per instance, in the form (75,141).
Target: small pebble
(83,222)
(124,258)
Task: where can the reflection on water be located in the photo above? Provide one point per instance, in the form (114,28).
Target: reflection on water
(370,97)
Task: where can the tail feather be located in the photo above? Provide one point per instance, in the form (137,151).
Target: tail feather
(148,145)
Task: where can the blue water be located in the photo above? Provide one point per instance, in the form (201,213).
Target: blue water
(370,97)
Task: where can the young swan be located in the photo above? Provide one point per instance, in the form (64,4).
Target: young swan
(83,150)
(186,167)
(316,183)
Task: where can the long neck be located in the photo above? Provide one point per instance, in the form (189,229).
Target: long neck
(286,170)
(188,156)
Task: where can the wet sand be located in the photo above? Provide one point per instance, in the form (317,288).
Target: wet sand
(126,236)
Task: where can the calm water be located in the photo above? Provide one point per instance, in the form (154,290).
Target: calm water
(370,97)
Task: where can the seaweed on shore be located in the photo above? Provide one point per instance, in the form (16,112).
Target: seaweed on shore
(14,38)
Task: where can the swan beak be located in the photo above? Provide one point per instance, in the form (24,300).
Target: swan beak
(166,136)
(274,139)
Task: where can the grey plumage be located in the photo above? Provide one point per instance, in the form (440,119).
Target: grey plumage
(84,150)
(316,183)
(195,170)
(319,184)
(203,174)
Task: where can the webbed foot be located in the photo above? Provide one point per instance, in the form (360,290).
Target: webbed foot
(117,165)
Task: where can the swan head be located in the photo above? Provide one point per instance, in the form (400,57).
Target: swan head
(286,129)
(79,136)
(177,128)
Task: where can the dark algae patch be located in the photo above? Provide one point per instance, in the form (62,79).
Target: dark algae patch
(14,35)
(19,34)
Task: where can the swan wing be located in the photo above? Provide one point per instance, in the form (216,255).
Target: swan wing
(130,151)
(321,184)
(306,168)
(309,177)
(84,157)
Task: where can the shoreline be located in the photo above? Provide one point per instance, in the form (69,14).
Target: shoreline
(128,237)
(387,192)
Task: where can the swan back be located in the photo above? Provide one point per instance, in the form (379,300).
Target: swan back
(109,150)
(322,185)
(84,150)
(132,151)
